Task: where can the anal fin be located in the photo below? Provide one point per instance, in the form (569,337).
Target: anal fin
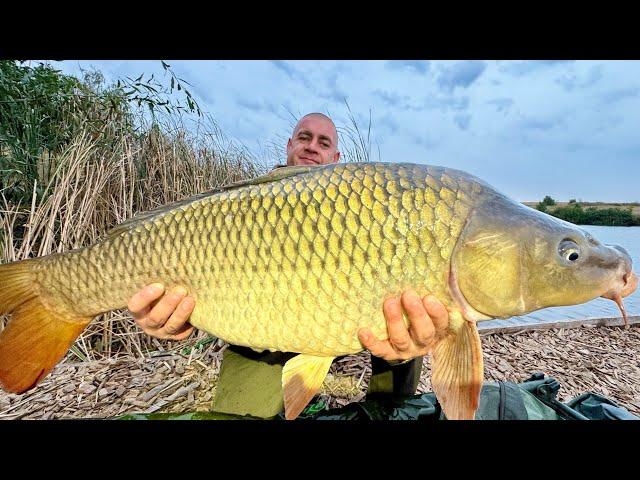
(458,372)
(302,377)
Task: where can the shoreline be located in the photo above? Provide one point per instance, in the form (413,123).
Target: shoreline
(550,324)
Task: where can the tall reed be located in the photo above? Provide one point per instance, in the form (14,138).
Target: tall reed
(94,187)
(91,185)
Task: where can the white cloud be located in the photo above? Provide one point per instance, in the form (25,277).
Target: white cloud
(512,123)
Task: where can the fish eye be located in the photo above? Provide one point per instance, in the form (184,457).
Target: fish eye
(569,250)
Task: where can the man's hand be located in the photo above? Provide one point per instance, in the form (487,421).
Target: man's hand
(428,320)
(166,318)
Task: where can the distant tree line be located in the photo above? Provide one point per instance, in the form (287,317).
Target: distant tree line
(575,213)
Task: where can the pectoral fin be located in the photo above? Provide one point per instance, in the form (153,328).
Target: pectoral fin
(458,372)
(302,377)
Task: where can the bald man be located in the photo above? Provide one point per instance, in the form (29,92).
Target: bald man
(250,382)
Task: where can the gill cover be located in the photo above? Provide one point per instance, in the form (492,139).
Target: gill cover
(487,260)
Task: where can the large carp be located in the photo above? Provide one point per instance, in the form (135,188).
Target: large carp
(300,259)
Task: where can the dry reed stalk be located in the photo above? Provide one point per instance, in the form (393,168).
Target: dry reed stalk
(93,188)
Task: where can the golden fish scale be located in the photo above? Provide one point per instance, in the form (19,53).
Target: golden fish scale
(298,264)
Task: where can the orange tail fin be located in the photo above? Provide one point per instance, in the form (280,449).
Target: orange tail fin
(37,337)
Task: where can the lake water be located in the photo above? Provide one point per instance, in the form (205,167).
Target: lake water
(627,237)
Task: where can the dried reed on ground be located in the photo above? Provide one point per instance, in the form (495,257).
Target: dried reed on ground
(182,379)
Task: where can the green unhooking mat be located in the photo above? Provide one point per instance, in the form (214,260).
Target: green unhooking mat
(533,399)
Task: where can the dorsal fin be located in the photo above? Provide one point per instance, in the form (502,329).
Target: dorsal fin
(272,176)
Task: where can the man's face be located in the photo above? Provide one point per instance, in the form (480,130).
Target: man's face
(314,142)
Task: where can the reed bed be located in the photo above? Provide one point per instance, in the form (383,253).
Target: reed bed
(94,187)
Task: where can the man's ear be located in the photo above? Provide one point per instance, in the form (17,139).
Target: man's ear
(289,144)
(336,157)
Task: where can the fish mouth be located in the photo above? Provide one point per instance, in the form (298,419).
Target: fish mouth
(631,284)
(628,286)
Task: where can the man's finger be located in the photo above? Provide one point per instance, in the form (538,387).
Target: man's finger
(177,322)
(379,348)
(182,335)
(398,332)
(141,302)
(159,314)
(420,325)
(437,311)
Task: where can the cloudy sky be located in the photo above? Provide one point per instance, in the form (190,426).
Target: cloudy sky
(569,129)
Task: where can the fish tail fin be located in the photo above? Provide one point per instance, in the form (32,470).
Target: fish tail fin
(37,336)
(458,372)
